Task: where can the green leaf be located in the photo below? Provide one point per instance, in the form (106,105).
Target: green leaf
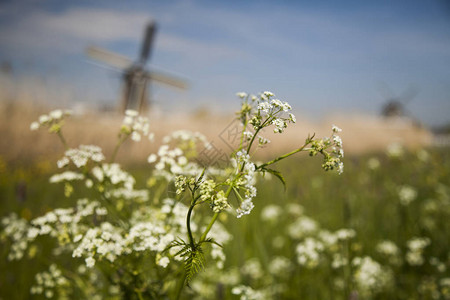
(277,174)
(194,263)
(212,241)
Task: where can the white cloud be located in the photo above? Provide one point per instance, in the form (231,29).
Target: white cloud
(67,31)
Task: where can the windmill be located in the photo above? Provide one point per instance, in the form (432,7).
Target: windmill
(136,77)
(395,105)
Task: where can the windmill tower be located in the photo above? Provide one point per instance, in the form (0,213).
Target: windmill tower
(136,77)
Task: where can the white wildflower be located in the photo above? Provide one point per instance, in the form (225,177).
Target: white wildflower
(242,95)
(34,126)
(90,262)
(163,261)
(407,194)
(271,213)
(308,252)
(245,208)
(335,129)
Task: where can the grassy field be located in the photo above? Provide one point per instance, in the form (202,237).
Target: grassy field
(401,197)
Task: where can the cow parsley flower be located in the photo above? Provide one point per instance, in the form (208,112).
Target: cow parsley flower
(370,277)
(308,252)
(416,247)
(135,126)
(331,149)
(245,208)
(407,194)
(80,156)
(53,121)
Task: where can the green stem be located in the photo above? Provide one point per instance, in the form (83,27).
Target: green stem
(282,157)
(256,133)
(188,224)
(139,293)
(238,195)
(180,285)
(211,223)
(63,140)
(116,149)
(202,238)
(214,218)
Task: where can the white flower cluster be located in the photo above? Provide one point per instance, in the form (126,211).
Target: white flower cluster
(173,157)
(271,213)
(333,158)
(439,265)
(302,226)
(48,283)
(370,276)
(252,268)
(389,250)
(65,223)
(53,120)
(16,229)
(62,224)
(279,265)
(136,126)
(66,176)
(219,202)
(395,150)
(247,293)
(81,156)
(185,138)
(416,246)
(113,174)
(130,194)
(316,244)
(407,194)
(308,252)
(180,184)
(271,111)
(110,242)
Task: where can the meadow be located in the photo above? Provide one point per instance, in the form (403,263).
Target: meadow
(380,230)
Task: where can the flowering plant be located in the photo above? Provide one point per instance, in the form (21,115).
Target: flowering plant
(125,242)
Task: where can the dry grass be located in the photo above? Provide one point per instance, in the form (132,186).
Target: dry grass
(19,144)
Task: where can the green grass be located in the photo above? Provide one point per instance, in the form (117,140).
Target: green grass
(363,199)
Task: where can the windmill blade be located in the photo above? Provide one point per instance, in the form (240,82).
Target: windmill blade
(109,58)
(147,44)
(385,90)
(409,94)
(167,79)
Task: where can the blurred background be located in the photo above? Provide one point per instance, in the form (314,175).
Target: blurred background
(353,63)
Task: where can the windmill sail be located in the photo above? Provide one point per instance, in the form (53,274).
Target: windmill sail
(109,58)
(167,80)
(135,75)
(147,44)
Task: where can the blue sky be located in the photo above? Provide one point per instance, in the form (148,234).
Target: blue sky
(321,56)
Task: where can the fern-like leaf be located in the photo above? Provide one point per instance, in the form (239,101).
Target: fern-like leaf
(194,263)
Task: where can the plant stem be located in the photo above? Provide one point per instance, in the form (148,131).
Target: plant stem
(180,285)
(188,224)
(63,140)
(256,133)
(282,157)
(139,293)
(116,149)
(214,218)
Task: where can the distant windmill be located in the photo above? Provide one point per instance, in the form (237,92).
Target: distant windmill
(395,106)
(136,77)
